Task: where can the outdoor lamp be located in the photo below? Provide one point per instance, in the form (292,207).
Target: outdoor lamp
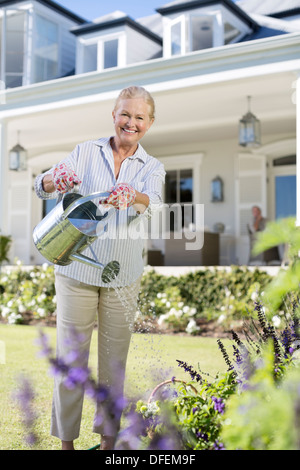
(217,194)
(18,158)
(249,129)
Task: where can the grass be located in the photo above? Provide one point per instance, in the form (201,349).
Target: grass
(152,359)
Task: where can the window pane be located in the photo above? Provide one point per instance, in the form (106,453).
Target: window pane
(230,33)
(48,205)
(46,50)
(285,195)
(176,39)
(90,58)
(14,53)
(110,53)
(202,32)
(171,187)
(186,185)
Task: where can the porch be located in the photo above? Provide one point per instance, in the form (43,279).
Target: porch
(200,99)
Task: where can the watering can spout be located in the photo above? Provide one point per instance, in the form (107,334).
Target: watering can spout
(110,271)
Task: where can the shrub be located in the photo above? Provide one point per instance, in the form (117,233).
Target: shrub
(5,242)
(27,292)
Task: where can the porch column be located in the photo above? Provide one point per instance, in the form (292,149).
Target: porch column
(3,177)
(297,102)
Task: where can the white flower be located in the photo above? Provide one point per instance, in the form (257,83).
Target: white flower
(41,312)
(221,318)
(12,319)
(162,319)
(254,295)
(22,309)
(192,327)
(276,321)
(41,297)
(185,309)
(5,311)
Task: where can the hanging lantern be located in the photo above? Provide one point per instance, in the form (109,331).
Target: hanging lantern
(18,158)
(249,129)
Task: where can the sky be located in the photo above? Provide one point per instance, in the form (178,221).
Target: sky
(91,9)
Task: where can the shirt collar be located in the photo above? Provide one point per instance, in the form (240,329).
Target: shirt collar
(139,154)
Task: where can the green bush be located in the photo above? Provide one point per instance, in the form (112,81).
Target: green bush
(266,416)
(27,292)
(209,294)
(5,242)
(174,303)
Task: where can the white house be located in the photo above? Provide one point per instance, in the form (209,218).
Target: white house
(201,60)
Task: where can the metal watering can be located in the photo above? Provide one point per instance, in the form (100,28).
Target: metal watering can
(71,227)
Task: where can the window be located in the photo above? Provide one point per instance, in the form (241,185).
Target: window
(230,33)
(46,50)
(90,58)
(179,190)
(176,39)
(13,27)
(175,36)
(201,32)
(285,196)
(110,53)
(100,54)
(48,205)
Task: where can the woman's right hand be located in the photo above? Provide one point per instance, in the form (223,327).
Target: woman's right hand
(64,178)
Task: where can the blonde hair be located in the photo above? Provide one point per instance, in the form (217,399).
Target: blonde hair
(137,92)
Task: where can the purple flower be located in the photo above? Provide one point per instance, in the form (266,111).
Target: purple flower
(219,405)
(25,396)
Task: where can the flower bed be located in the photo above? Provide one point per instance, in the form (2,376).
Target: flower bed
(204,302)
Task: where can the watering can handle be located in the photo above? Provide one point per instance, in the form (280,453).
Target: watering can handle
(83,200)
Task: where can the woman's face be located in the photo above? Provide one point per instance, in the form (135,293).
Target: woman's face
(131,120)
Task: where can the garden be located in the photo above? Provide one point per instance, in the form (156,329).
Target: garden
(214,363)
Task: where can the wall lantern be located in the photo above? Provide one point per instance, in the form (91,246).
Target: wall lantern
(18,157)
(249,129)
(217,190)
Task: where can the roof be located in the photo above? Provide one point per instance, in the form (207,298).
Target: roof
(183,5)
(112,20)
(50,4)
(270,7)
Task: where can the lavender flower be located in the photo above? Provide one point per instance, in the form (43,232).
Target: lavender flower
(194,375)
(219,405)
(25,396)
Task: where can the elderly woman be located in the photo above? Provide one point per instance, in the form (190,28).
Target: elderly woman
(134,179)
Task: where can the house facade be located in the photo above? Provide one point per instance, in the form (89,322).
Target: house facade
(201,60)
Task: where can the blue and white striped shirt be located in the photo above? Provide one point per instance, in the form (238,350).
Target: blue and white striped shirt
(93,163)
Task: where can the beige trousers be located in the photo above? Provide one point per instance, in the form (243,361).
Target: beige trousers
(79,306)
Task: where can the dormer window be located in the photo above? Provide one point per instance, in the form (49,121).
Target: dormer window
(114,40)
(193,26)
(101,53)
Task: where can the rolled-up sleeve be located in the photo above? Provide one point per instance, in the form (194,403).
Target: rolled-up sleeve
(153,187)
(39,190)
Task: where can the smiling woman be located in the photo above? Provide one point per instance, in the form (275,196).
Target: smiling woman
(134,182)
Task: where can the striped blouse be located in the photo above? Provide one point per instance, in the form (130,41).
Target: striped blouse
(93,162)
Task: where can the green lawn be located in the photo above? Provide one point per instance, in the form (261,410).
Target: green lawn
(152,359)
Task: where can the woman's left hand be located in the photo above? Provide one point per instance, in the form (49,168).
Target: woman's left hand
(122,196)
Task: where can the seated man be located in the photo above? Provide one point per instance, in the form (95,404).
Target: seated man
(258,225)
